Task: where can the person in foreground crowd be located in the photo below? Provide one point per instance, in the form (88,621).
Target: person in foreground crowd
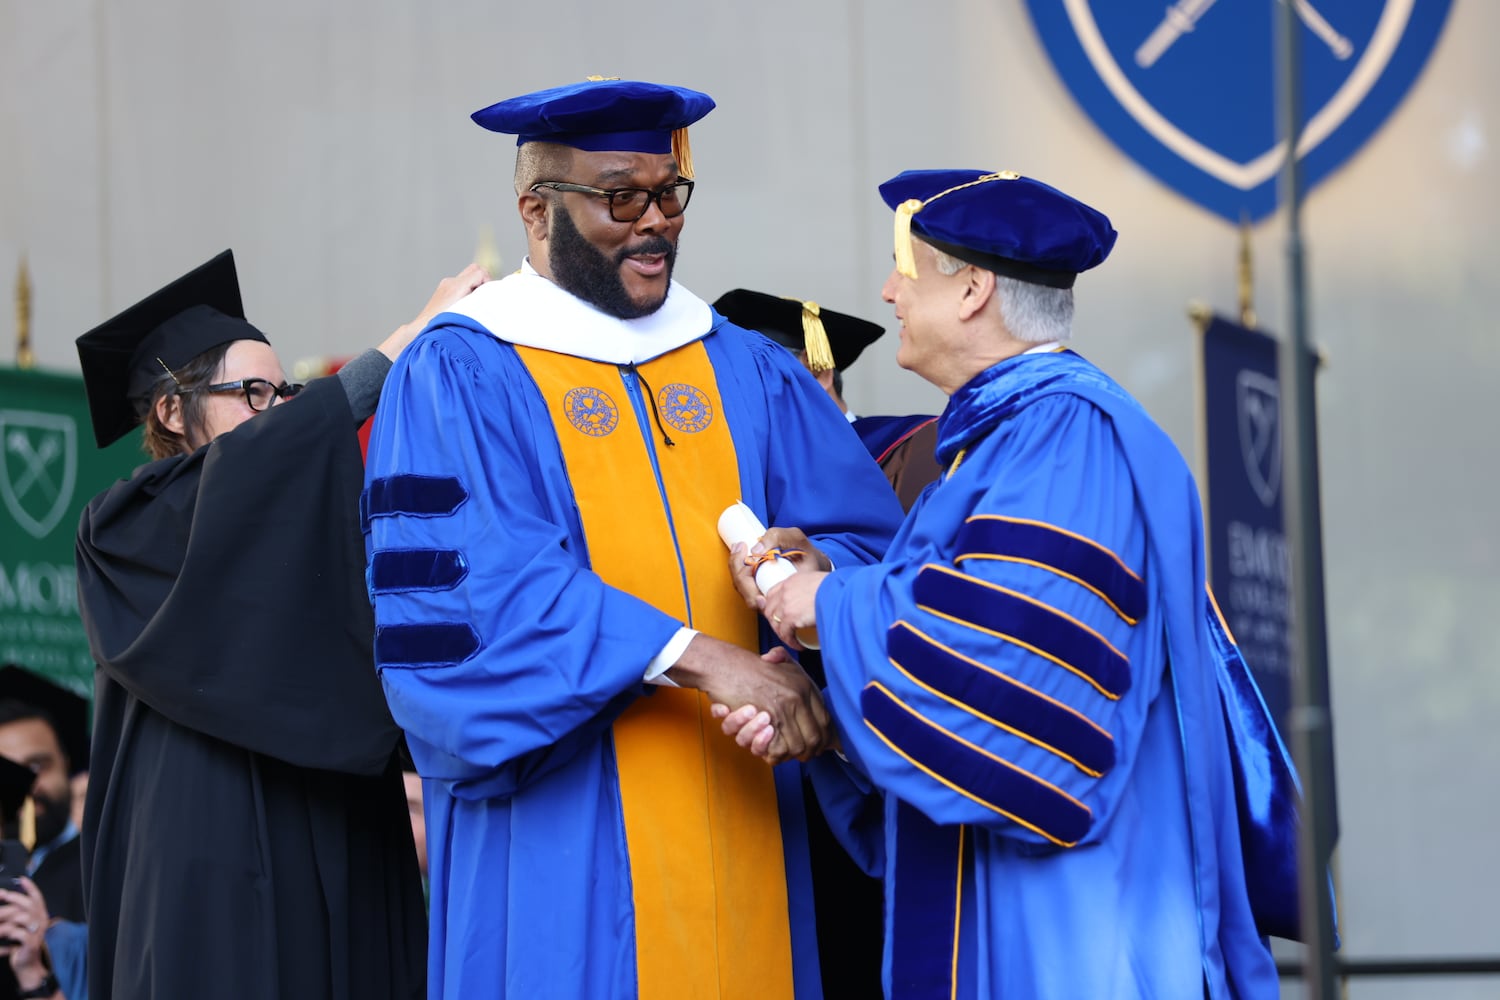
(1033,676)
(546,473)
(828,342)
(34,948)
(44,727)
(245,834)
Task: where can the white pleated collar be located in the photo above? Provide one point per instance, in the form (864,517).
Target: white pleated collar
(527,309)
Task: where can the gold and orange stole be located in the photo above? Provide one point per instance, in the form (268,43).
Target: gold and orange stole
(701,819)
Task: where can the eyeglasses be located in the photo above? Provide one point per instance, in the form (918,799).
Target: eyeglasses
(629,204)
(259,393)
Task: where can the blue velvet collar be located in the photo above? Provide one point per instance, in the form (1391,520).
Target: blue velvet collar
(994,394)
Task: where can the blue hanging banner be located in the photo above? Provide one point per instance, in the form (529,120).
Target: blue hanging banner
(1188,89)
(1249,564)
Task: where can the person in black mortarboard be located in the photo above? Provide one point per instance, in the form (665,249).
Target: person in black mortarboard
(828,342)
(244,834)
(1035,675)
(545,479)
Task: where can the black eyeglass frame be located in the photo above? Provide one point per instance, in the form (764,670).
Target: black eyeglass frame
(684,187)
(285,390)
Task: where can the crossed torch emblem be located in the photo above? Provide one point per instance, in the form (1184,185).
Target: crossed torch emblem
(1183,16)
(38,468)
(36,461)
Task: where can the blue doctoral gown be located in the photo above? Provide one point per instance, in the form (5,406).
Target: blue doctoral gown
(1030,678)
(530,869)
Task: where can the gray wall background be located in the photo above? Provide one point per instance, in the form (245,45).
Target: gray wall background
(329,144)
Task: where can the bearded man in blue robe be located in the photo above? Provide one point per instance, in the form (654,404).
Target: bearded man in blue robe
(545,478)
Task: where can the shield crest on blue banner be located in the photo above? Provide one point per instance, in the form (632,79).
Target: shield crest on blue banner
(1258,400)
(1188,89)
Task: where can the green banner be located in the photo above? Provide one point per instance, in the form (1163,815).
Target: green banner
(49,471)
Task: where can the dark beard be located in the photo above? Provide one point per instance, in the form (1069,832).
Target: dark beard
(52,816)
(582,268)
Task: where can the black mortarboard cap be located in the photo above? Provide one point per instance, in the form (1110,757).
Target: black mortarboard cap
(1001,221)
(68,710)
(604,114)
(124,356)
(796,325)
(15,787)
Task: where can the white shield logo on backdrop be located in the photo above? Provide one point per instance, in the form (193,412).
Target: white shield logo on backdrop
(39,467)
(1188,88)
(1258,402)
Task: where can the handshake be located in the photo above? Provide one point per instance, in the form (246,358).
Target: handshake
(768,703)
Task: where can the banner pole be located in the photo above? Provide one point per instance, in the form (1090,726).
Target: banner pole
(1310,718)
(1246,276)
(25,358)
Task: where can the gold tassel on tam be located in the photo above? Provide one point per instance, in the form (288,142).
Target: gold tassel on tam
(906,262)
(815,339)
(682,153)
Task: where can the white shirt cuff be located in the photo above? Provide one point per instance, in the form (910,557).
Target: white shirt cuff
(656,670)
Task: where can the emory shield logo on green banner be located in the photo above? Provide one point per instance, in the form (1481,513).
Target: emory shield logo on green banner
(49,469)
(40,467)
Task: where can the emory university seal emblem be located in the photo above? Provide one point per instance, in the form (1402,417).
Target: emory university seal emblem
(1187,88)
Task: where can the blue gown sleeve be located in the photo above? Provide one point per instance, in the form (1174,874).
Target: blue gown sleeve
(999,669)
(501,654)
(853,809)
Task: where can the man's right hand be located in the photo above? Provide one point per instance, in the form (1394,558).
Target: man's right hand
(23,924)
(735,677)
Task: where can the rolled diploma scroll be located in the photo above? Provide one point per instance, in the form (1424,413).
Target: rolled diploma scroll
(739,524)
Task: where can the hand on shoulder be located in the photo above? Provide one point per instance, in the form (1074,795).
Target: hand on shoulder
(449,291)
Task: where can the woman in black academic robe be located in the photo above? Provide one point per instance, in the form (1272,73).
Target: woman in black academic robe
(245,830)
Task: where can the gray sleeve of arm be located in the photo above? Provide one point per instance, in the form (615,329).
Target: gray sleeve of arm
(362,379)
